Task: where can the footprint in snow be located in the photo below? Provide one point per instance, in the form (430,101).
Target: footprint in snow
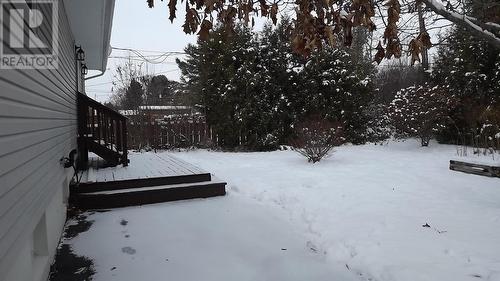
(128,250)
(312,247)
(235,188)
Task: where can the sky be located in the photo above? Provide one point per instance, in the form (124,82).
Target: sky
(138,27)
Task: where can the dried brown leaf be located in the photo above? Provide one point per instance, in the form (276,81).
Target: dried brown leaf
(172,8)
(415,48)
(393,48)
(205,28)
(425,39)
(379,56)
(191,22)
(274,13)
(264,8)
(330,36)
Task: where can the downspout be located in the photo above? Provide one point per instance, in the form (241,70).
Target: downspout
(95,76)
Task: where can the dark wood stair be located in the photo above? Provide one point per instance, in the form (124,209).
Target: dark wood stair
(89,187)
(147,195)
(101,130)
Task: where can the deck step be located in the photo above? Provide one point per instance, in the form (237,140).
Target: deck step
(148,195)
(88,187)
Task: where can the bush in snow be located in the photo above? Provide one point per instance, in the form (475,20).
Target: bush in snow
(268,143)
(331,85)
(419,111)
(316,137)
(487,141)
(378,123)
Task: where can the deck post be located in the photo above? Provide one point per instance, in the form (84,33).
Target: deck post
(83,153)
(124,139)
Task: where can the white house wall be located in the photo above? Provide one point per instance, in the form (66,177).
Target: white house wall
(38,126)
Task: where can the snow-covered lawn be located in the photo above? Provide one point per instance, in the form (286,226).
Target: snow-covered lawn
(358,215)
(365,207)
(216,239)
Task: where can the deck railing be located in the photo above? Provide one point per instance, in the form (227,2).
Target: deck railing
(102,131)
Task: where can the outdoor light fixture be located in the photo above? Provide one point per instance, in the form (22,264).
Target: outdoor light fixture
(80,54)
(85,69)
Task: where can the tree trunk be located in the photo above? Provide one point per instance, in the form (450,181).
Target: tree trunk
(425,141)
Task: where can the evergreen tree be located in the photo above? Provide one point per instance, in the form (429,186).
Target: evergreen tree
(334,86)
(133,97)
(470,69)
(162,91)
(254,91)
(219,74)
(282,82)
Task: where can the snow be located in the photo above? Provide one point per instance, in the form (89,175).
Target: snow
(488,159)
(365,81)
(130,112)
(142,166)
(357,215)
(226,238)
(164,107)
(365,207)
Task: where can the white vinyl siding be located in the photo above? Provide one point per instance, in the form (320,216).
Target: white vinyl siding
(38,126)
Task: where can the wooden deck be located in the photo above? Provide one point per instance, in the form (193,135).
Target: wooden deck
(143,166)
(149,178)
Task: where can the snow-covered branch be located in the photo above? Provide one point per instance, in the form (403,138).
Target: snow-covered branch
(487,31)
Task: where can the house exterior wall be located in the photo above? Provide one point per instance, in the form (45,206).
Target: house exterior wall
(38,126)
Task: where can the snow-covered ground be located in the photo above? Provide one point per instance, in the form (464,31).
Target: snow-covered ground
(365,207)
(358,215)
(216,239)
(484,159)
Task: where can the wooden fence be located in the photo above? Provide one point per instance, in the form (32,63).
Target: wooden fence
(178,132)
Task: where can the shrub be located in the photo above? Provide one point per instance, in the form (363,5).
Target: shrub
(420,111)
(316,137)
(487,138)
(378,123)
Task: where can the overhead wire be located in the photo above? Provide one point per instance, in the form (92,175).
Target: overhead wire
(159,58)
(155,59)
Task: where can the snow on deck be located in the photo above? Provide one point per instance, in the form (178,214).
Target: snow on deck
(142,166)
